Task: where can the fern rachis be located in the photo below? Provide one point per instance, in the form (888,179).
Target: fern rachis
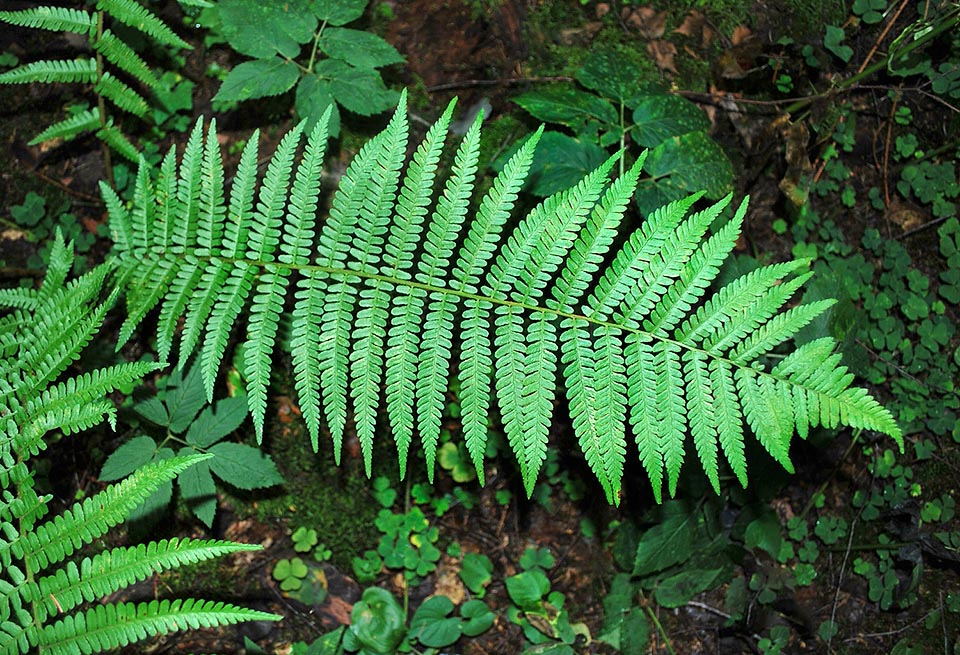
(384,291)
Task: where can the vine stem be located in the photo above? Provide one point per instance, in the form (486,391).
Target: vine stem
(661,630)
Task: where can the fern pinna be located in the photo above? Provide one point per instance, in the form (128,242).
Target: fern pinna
(48,597)
(397,278)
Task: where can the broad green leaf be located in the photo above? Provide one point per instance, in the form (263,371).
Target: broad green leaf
(560,162)
(184,397)
(312,99)
(476,572)
(432,624)
(263,29)
(154,506)
(681,165)
(527,589)
(153,410)
(360,49)
(614,74)
(338,12)
(667,543)
(679,589)
(478,617)
(128,458)
(258,79)
(198,489)
(217,421)
(377,621)
(567,105)
(658,117)
(243,466)
(360,90)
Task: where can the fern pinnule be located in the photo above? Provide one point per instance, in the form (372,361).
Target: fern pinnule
(111,626)
(109,571)
(56,70)
(395,289)
(139,18)
(87,120)
(118,53)
(57,19)
(121,95)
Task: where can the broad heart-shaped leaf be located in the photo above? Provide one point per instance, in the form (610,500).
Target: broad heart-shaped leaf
(432,624)
(567,105)
(560,162)
(527,589)
(243,466)
(477,617)
(680,165)
(263,29)
(217,421)
(128,458)
(198,489)
(360,90)
(360,49)
(338,12)
(614,74)
(258,79)
(658,117)
(312,99)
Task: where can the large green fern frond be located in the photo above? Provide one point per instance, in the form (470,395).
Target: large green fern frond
(385,292)
(57,19)
(52,70)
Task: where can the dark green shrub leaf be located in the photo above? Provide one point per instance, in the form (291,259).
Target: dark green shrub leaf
(567,105)
(184,398)
(153,410)
(680,589)
(613,74)
(312,99)
(243,466)
(199,490)
(217,421)
(128,458)
(659,117)
(258,79)
(667,543)
(263,29)
(338,12)
(560,162)
(361,49)
(360,90)
(680,165)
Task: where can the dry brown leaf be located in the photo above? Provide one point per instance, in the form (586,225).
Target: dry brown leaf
(741,33)
(649,22)
(696,27)
(603,8)
(663,53)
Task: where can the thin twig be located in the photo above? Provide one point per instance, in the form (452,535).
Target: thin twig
(883,35)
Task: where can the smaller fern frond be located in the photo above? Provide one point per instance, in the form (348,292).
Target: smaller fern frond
(106,627)
(55,70)
(121,95)
(118,53)
(57,19)
(140,18)
(113,137)
(57,539)
(86,121)
(103,574)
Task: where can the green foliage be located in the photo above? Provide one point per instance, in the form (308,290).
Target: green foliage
(539,612)
(110,50)
(52,600)
(619,108)
(380,292)
(378,626)
(342,69)
(41,222)
(185,420)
